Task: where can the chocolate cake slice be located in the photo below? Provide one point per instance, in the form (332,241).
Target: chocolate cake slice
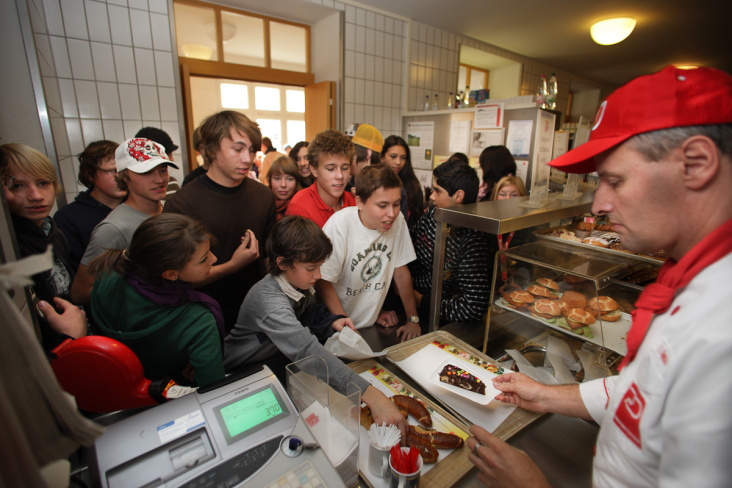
(452,375)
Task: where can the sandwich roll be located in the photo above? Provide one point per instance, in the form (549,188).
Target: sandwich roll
(543,292)
(546,309)
(548,283)
(604,307)
(574,299)
(519,299)
(578,318)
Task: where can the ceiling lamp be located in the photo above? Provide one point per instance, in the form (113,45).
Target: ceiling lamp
(612,31)
(228,31)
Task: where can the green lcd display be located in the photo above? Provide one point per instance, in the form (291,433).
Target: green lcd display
(250,412)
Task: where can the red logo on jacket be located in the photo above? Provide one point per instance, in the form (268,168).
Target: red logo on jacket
(629,414)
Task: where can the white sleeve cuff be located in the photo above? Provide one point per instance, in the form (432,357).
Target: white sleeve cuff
(595,395)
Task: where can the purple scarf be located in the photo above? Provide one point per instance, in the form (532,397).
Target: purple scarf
(176,293)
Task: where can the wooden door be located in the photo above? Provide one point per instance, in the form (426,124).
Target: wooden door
(319,108)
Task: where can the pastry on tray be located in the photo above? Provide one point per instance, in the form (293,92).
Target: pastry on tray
(452,375)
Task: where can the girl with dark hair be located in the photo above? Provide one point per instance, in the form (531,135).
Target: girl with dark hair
(397,155)
(143,297)
(495,162)
(299,154)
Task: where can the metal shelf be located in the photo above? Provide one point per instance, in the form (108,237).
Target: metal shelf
(503,216)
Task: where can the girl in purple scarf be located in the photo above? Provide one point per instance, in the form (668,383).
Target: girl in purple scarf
(143,297)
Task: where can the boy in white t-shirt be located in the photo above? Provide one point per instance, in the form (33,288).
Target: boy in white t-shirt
(371,245)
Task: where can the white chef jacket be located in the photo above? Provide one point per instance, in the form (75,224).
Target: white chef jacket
(666,420)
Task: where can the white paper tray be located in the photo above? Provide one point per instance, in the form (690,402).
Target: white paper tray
(610,335)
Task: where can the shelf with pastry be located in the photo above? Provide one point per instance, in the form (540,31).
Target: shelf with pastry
(580,292)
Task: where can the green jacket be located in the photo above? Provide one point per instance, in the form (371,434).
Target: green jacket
(165,339)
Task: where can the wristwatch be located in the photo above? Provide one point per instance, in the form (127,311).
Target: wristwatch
(414,319)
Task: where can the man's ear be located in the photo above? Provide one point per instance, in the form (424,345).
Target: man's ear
(459,196)
(170,275)
(279,263)
(701,160)
(359,202)
(313,170)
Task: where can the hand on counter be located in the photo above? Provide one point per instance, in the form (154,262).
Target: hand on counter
(387,318)
(408,331)
(501,465)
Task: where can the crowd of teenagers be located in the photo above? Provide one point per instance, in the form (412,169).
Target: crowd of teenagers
(252,259)
(227,271)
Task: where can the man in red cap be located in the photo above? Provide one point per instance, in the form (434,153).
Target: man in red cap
(662,146)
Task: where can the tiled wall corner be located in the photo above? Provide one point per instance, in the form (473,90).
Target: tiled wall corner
(374,45)
(107,68)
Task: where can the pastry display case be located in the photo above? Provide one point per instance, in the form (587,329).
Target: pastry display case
(497,217)
(583,292)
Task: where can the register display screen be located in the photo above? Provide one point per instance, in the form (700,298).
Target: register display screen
(250,414)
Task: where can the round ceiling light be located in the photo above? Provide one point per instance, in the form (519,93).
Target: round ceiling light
(612,31)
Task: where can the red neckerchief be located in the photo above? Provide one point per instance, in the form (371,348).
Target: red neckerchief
(503,247)
(657,297)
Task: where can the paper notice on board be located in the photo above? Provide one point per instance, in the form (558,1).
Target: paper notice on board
(561,143)
(485,138)
(488,116)
(522,169)
(518,140)
(459,136)
(543,149)
(420,136)
(424,177)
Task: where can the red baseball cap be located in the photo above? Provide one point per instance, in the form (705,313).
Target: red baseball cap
(672,97)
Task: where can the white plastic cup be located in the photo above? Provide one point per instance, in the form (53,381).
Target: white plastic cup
(378,461)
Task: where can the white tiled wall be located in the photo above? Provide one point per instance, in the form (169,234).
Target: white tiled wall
(108,70)
(374,61)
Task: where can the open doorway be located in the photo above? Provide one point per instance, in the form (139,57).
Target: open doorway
(278,109)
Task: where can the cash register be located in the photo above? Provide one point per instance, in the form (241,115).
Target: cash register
(246,431)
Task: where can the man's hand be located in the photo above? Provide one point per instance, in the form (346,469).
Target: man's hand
(247,252)
(340,324)
(71,321)
(520,390)
(387,318)
(500,465)
(409,331)
(384,411)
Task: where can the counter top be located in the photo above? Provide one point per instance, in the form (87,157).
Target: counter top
(503,216)
(561,446)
